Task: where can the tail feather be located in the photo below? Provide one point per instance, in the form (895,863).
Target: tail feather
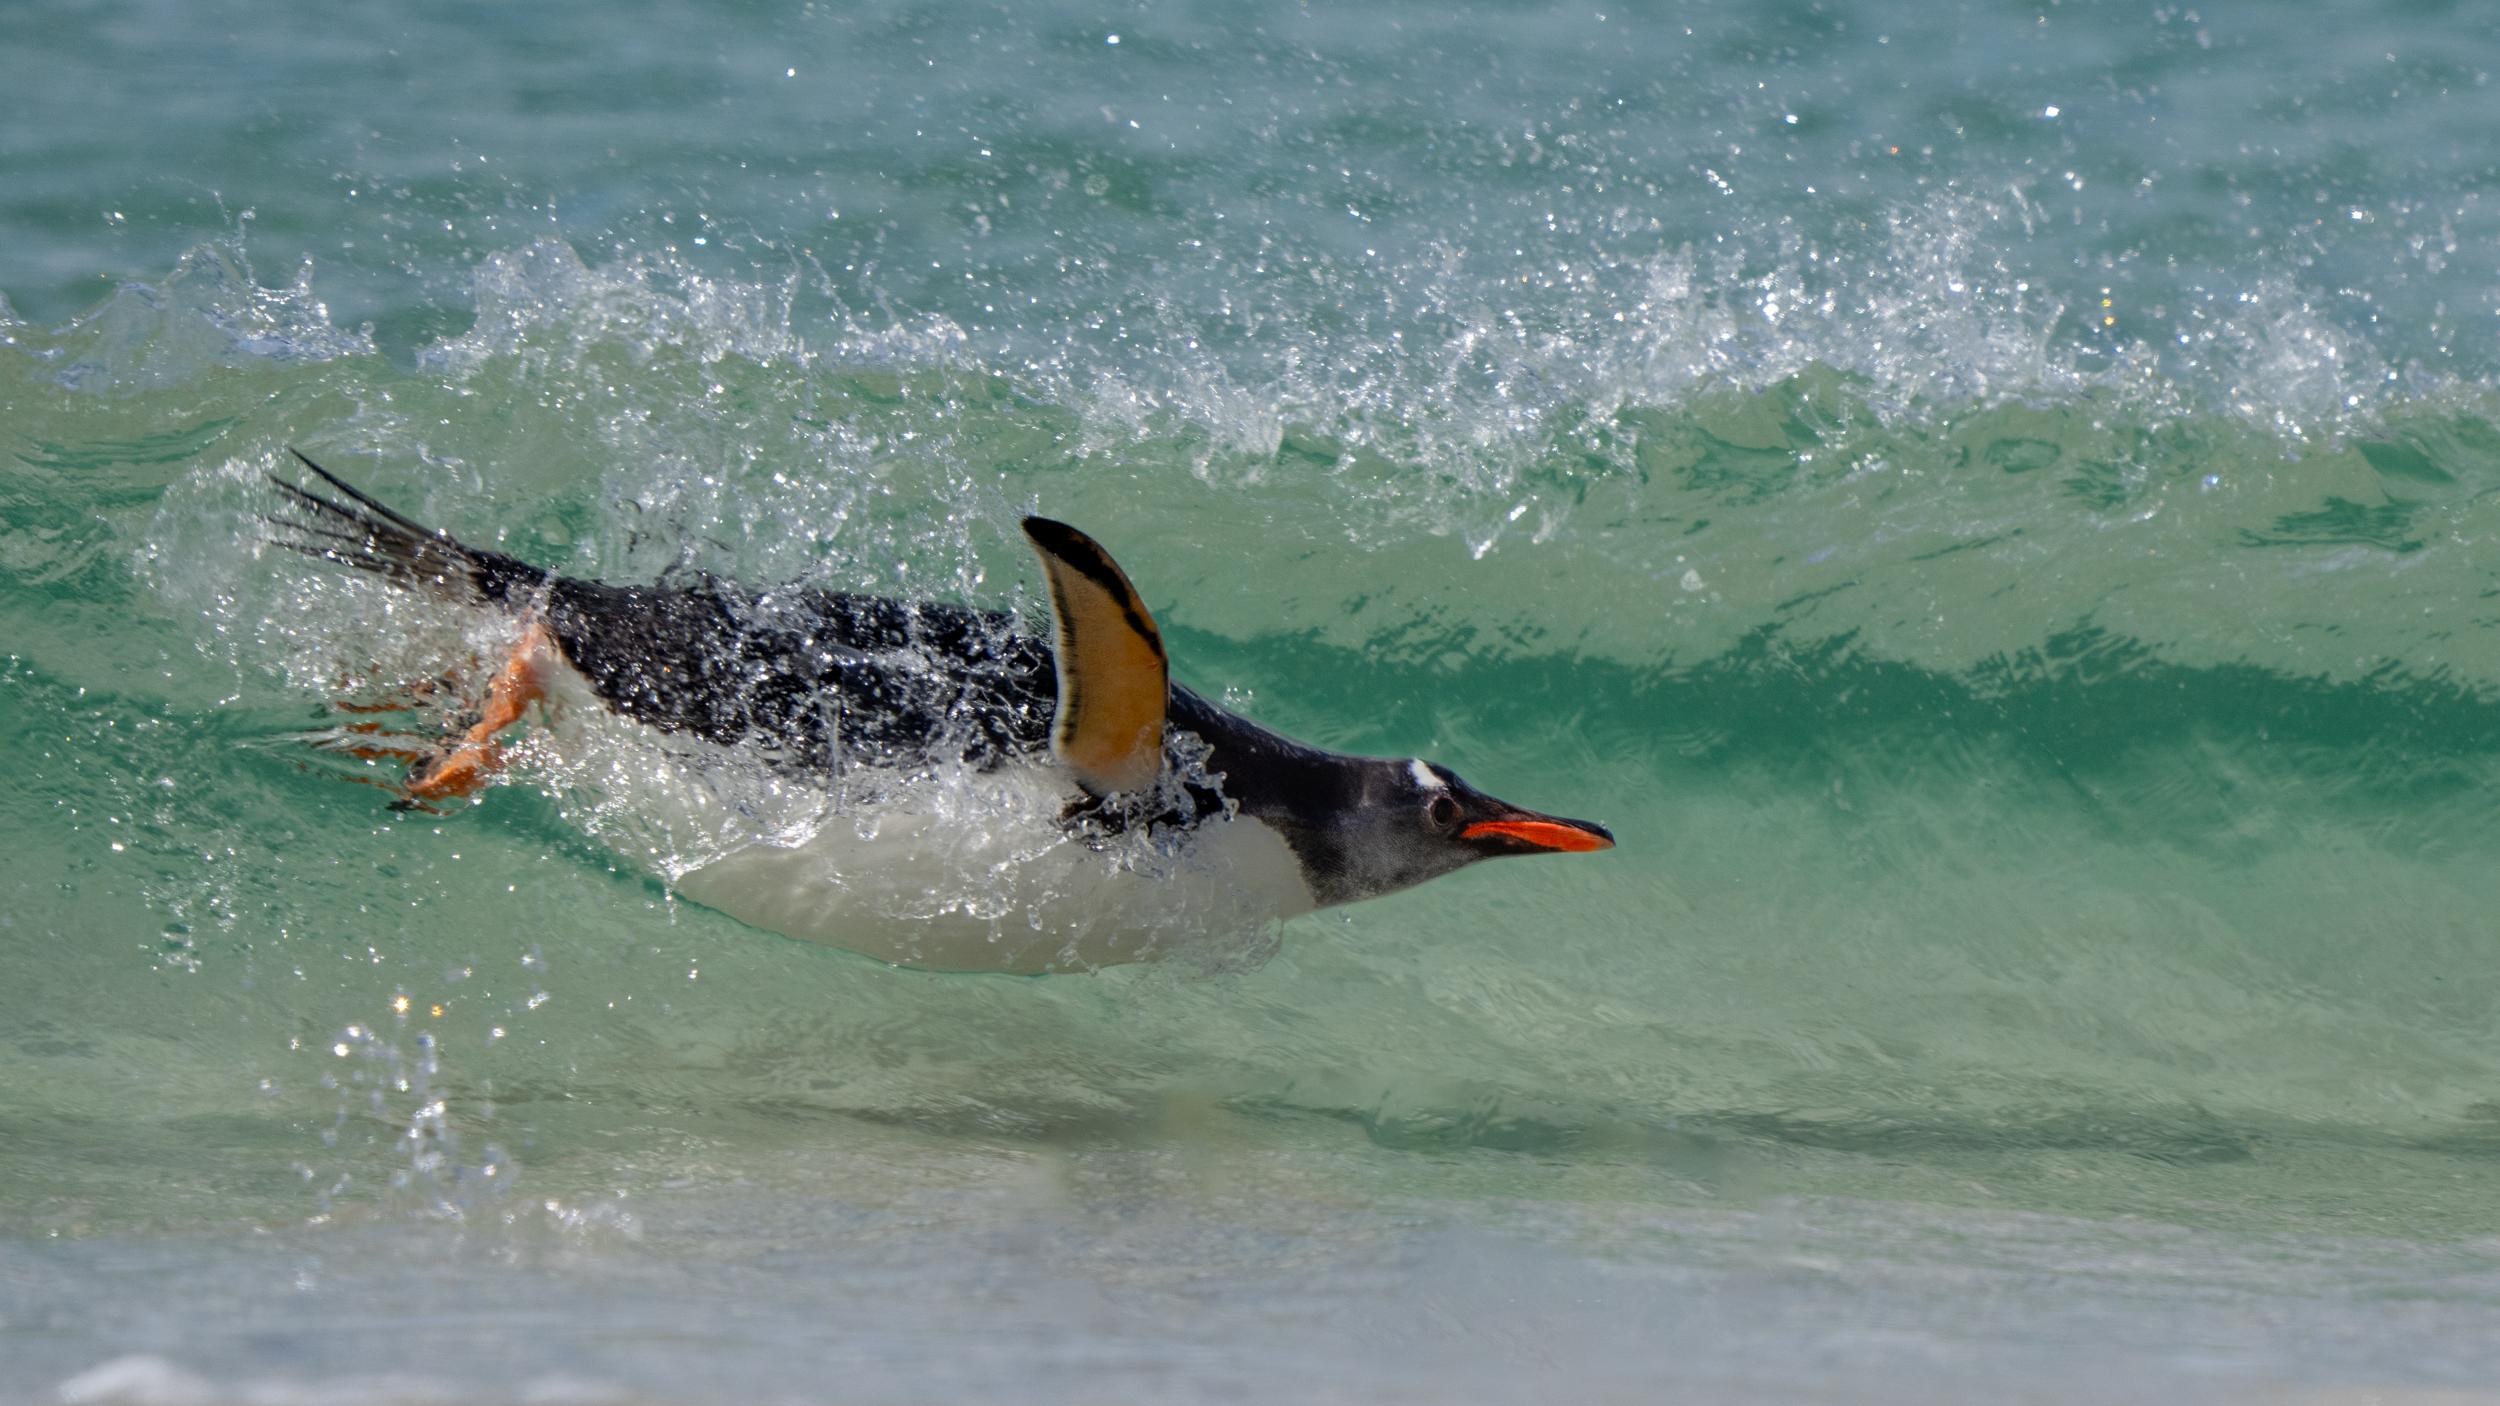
(363,533)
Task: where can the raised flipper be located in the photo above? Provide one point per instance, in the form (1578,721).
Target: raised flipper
(1114,683)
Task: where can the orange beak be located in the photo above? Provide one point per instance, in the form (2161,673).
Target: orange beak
(1565,836)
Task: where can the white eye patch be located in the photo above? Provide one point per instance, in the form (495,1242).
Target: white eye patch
(1423,775)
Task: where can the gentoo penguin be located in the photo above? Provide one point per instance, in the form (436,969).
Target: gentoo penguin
(985,800)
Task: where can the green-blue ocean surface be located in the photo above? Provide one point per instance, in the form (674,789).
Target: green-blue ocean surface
(1996,504)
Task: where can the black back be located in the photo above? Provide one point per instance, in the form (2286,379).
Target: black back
(820,680)
(824,680)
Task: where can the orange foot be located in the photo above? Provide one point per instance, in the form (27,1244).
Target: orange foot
(456,771)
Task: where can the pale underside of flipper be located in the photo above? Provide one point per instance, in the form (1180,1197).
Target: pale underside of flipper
(1114,681)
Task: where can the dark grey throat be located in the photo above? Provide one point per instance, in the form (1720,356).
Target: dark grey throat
(1303,793)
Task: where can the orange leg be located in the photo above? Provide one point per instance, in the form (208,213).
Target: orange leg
(463,767)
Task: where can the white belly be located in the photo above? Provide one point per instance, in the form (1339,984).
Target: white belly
(952,869)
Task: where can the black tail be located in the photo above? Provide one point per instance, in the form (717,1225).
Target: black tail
(362,533)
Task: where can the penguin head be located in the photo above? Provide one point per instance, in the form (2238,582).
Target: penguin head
(1412,820)
(1360,826)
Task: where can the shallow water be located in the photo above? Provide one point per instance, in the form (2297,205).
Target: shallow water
(1991,505)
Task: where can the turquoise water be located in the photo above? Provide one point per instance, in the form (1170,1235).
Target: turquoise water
(1993,506)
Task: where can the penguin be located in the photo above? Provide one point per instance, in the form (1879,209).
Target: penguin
(987,799)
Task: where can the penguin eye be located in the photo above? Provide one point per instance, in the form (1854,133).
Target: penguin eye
(1443,812)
